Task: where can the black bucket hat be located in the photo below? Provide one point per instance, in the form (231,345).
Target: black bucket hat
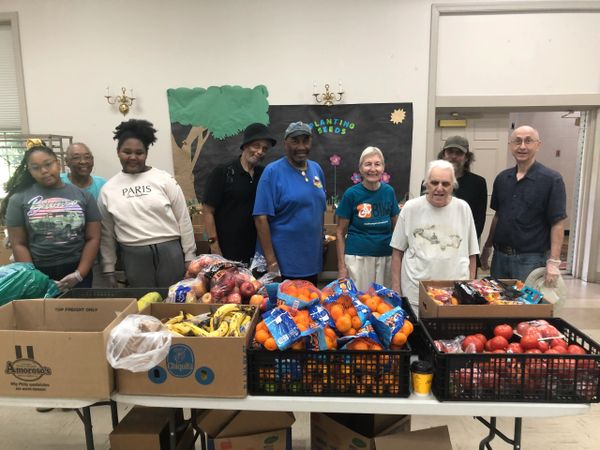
(257,131)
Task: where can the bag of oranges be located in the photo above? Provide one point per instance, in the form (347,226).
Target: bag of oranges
(298,294)
(341,302)
(365,339)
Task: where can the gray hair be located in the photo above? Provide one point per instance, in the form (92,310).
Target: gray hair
(70,148)
(444,165)
(371,151)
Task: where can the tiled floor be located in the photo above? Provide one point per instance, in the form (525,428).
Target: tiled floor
(26,429)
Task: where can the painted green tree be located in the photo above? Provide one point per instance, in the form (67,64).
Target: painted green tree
(220,111)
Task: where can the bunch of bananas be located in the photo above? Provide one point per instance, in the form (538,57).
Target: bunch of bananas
(228,320)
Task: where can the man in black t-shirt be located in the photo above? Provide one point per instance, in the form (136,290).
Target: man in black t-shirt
(472,188)
(229,198)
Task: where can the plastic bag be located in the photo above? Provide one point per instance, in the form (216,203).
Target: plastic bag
(183,291)
(138,343)
(23,280)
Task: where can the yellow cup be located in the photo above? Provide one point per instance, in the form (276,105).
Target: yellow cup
(421,376)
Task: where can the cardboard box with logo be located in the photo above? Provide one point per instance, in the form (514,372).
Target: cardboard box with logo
(148,429)
(373,432)
(195,365)
(57,347)
(242,430)
(431,310)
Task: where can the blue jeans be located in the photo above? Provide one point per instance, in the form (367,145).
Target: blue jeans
(516,266)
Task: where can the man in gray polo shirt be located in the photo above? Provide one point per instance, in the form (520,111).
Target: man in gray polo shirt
(530,202)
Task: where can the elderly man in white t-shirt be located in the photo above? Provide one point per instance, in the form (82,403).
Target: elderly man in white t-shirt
(435,236)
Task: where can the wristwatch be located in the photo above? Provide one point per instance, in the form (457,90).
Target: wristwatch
(212,240)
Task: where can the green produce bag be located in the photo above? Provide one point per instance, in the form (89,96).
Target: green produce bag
(23,280)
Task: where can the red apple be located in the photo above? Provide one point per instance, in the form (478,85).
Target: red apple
(234,298)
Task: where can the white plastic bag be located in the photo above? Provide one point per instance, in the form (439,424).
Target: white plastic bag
(138,343)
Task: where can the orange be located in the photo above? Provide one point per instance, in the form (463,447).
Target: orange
(331,343)
(270,344)
(358,345)
(302,326)
(291,290)
(375,347)
(399,338)
(313,295)
(373,303)
(336,311)
(364,297)
(383,307)
(298,345)
(350,332)
(352,311)
(344,323)
(303,298)
(407,328)
(330,333)
(356,323)
(376,314)
(261,335)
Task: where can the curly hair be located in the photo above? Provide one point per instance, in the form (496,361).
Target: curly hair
(135,128)
(469,159)
(21,178)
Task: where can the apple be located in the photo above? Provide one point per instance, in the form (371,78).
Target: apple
(234,297)
(206,298)
(193,268)
(247,289)
(198,288)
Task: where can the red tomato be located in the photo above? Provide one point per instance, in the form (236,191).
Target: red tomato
(560,349)
(575,349)
(514,347)
(543,346)
(533,350)
(499,350)
(481,337)
(474,343)
(522,327)
(558,342)
(551,351)
(548,331)
(503,330)
(487,346)
(498,343)
(533,332)
(528,342)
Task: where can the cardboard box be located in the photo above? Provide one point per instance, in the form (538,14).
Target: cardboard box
(373,432)
(57,347)
(330,263)
(195,366)
(242,430)
(430,309)
(148,429)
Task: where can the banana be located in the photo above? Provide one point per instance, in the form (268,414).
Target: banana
(221,331)
(223,311)
(178,318)
(244,325)
(234,323)
(150,297)
(197,330)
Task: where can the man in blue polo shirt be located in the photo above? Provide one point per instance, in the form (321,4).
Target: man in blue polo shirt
(289,208)
(530,202)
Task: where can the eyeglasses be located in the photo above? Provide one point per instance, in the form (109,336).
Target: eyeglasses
(445,184)
(47,166)
(526,141)
(79,158)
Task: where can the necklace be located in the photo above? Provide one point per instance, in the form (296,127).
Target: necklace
(303,173)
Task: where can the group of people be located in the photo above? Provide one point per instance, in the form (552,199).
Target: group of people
(434,236)
(60,221)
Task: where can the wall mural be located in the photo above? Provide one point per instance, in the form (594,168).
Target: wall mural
(207,127)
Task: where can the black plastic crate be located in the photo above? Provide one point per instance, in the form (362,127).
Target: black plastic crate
(113,292)
(367,373)
(512,377)
(351,373)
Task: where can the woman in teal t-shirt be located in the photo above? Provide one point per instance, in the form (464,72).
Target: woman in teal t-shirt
(367,215)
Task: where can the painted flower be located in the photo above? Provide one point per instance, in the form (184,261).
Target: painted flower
(385,177)
(335,160)
(356,178)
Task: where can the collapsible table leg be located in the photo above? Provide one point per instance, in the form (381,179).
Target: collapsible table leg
(515,442)
(114,413)
(87,426)
(173,429)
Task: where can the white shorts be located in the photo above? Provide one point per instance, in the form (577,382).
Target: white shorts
(364,270)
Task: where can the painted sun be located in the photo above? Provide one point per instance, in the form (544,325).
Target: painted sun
(397,116)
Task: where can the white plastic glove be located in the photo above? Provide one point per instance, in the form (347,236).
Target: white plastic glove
(69,281)
(552,272)
(111,279)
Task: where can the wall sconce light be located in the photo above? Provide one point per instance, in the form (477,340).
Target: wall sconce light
(125,102)
(328,98)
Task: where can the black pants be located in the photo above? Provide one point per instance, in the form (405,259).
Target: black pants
(60,271)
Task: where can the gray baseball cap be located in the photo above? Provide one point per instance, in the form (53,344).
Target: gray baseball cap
(296,129)
(458,142)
